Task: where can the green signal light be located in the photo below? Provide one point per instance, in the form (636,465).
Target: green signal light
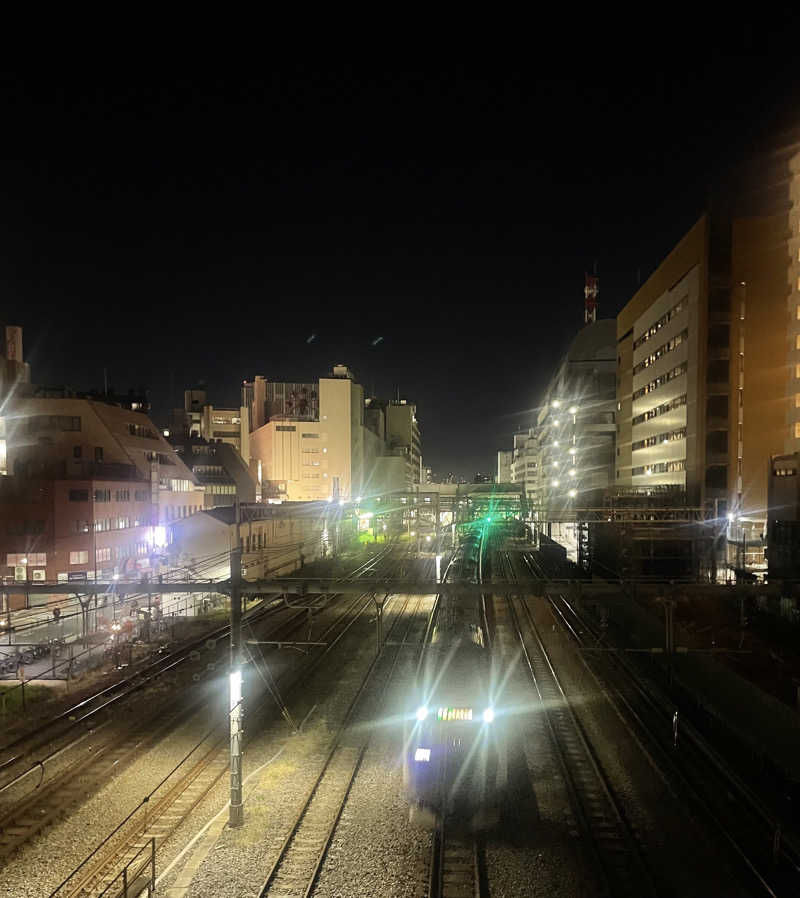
(488,520)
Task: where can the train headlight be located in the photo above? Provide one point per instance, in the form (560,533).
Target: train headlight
(488,715)
(422,713)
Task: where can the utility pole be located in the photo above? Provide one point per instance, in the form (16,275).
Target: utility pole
(236,815)
(379,603)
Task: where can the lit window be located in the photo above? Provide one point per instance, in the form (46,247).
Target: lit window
(797,430)
(798,312)
(79,557)
(797,341)
(797,400)
(797,371)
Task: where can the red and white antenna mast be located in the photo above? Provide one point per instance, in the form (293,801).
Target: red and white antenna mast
(590,292)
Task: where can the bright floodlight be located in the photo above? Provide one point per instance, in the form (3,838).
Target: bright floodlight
(572,472)
(488,715)
(358,499)
(555,483)
(235,688)
(341,501)
(573,409)
(556,403)
(573,494)
(422,713)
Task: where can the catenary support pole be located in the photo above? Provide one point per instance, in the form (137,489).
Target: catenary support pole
(236,815)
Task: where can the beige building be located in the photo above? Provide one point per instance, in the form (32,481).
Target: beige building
(320,446)
(708,366)
(504,457)
(673,354)
(198,418)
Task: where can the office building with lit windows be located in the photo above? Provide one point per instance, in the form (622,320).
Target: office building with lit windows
(575,425)
(708,355)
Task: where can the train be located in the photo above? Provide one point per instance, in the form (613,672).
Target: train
(454,756)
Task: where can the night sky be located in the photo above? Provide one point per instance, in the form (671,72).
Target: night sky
(182,229)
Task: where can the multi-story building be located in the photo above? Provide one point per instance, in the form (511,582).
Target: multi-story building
(708,360)
(69,436)
(92,522)
(673,358)
(395,422)
(524,467)
(198,418)
(504,457)
(15,377)
(575,427)
(218,469)
(323,441)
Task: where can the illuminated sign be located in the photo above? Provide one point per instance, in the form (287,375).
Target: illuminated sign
(450,714)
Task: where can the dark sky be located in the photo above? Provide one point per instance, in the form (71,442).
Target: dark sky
(180,229)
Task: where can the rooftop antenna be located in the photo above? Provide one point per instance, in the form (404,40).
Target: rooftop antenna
(398,393)
(105,381)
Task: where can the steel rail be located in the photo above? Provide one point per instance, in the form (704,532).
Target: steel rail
(616,850)
(142,676)
(308,852)
(100,864)
(681,767)
(88,771)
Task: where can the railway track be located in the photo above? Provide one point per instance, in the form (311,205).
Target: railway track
(619,860)
(747,828)
(85,712)
(105,755)
(130,850)
(302,853)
